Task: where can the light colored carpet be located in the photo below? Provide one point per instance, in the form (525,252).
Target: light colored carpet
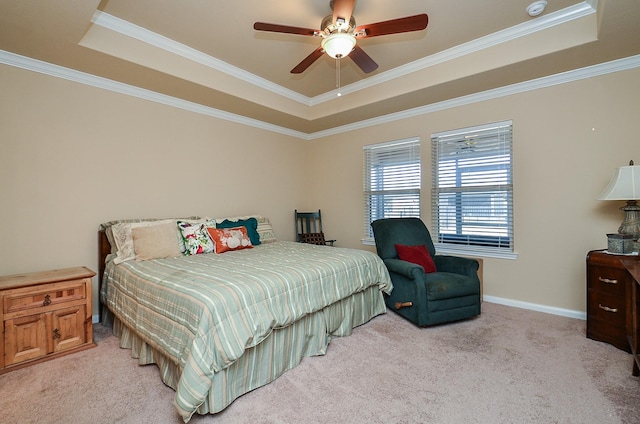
(507,366)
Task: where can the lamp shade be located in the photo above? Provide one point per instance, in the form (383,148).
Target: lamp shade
(338,44)
(624,185)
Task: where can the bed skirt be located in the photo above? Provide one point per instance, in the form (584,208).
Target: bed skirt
(282,350)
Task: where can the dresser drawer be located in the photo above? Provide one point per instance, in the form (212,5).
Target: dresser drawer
(607,279)
(26,298)
(606,307)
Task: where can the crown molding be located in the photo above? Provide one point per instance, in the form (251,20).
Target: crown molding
(550,20)
(631,62)
(123,27)
(524,29)
(57,71)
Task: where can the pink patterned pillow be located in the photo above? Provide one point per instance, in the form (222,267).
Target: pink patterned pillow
(227,239)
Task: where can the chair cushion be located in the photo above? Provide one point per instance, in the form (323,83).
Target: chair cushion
(417,255)
(446,285)
(312,238)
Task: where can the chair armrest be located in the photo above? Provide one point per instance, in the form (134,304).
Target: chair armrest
(404,268)
(456,265)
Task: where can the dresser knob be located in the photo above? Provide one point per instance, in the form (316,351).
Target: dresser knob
(606,308)
(46,301)
(608,281)
(56,334)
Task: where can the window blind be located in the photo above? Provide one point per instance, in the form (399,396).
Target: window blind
(472,193)
(391,181)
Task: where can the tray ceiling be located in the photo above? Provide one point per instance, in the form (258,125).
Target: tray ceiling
(207,53)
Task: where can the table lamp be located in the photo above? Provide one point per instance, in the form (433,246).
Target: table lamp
(625,185)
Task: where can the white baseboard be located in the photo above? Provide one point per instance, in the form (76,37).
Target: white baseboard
(536,307)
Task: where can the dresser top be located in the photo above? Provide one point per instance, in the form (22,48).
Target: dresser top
(52,276)
(633,266)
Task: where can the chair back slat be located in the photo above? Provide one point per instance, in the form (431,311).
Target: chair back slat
(308,223)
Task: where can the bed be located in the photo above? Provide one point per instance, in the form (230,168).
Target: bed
(220,324)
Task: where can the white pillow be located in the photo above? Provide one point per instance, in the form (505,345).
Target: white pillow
(156,241)
(124,240)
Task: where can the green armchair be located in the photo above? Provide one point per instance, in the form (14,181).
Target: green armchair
(451,293)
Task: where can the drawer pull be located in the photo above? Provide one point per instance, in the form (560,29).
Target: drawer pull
(606,308)
(47,300)
(56,334)
(606,280)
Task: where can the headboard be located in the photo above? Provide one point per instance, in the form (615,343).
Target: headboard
(104,248)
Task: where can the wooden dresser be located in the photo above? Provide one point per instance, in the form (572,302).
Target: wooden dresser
(608,298)
(44,315)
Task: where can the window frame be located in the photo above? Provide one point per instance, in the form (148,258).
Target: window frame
(492,176)
(406,184)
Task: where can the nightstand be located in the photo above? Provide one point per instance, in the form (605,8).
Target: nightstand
(608,297)
(44,315)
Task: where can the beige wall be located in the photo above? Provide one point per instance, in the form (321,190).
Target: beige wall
(73,156)
(568,139)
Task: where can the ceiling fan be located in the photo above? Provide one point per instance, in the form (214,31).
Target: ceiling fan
(339,34)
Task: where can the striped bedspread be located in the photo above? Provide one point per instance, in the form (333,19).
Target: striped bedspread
(203,311)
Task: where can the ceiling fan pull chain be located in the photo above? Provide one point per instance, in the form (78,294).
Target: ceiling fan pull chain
(338,74)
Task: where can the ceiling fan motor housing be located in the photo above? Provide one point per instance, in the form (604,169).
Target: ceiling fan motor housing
(329,27)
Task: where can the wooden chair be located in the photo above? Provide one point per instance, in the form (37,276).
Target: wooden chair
(309,228)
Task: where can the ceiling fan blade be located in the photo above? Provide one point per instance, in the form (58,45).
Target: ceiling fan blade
(262,26)
(394,26)
(343,9)
(363,60)
(308,61)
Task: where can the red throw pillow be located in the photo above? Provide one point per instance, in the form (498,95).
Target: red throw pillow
(226,239)
(417,255)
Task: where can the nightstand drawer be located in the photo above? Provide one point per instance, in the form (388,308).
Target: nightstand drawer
(608,280)
(43,295)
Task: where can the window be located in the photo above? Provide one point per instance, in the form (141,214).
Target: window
(391,181)
(472,196)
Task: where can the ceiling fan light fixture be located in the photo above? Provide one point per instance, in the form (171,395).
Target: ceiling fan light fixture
(338,44)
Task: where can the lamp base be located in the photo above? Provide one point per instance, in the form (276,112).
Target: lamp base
(631,222)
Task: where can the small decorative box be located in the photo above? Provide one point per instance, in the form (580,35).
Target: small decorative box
(620,243)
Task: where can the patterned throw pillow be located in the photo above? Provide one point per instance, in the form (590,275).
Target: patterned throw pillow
(265,230)
(227,239)
(196,238)
(251,224)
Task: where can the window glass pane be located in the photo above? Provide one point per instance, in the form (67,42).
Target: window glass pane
(391,181)
(472,186)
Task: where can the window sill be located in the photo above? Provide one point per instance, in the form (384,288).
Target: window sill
(475,251)
(368,241)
